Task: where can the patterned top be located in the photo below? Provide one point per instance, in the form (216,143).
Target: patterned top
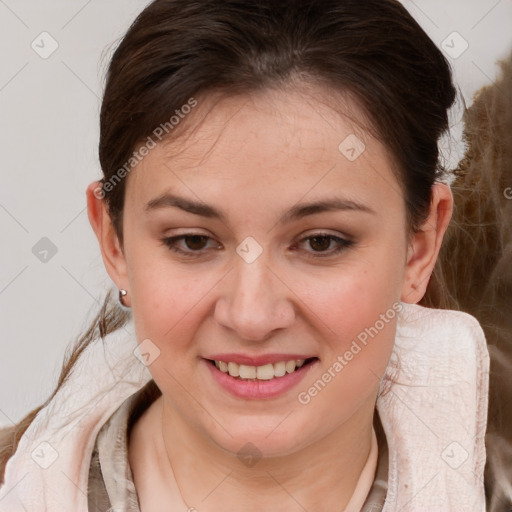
(111,486)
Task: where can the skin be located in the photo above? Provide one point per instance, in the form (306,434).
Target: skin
(254,157)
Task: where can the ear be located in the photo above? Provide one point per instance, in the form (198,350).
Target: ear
(111,250)
(424,245)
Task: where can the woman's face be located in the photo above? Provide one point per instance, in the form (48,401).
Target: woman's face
(263,278)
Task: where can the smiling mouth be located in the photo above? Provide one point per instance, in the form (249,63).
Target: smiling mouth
(269,371)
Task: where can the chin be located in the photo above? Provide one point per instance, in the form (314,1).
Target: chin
(255,438)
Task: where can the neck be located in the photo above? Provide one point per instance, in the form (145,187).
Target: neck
(190,468)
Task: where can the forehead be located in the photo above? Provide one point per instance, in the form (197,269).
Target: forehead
(276,145)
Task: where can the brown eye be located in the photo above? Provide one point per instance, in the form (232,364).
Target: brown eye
(321,242)
(194,244)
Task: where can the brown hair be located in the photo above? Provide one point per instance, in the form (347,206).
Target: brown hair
(178,49)
(475,263)
(375,50)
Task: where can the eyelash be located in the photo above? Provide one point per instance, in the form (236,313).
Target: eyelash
(170,242)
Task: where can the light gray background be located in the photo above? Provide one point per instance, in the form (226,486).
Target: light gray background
(48,139)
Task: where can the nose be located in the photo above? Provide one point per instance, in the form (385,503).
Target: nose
(256,302)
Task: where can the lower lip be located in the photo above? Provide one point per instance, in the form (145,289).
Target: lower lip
(260,389)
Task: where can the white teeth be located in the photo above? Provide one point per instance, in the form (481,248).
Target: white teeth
(290,366)
(234,369)
(247,372)
(264,372)
(280,369)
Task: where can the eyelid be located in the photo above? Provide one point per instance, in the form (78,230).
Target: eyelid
(171,241)
(343,243)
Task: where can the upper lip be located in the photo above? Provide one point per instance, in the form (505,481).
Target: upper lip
(257,360)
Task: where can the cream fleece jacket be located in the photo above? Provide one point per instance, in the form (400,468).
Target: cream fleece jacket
(434,415)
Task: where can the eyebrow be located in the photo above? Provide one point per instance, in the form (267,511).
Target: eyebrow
(296,212)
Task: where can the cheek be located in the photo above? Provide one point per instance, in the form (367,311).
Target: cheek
(356,332)
(348,299)
(164,295)
(167,301)
(356,310)
(169,307)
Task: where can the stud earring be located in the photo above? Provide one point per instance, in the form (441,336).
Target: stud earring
(122,293)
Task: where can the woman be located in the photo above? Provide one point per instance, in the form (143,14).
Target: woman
(272,209)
